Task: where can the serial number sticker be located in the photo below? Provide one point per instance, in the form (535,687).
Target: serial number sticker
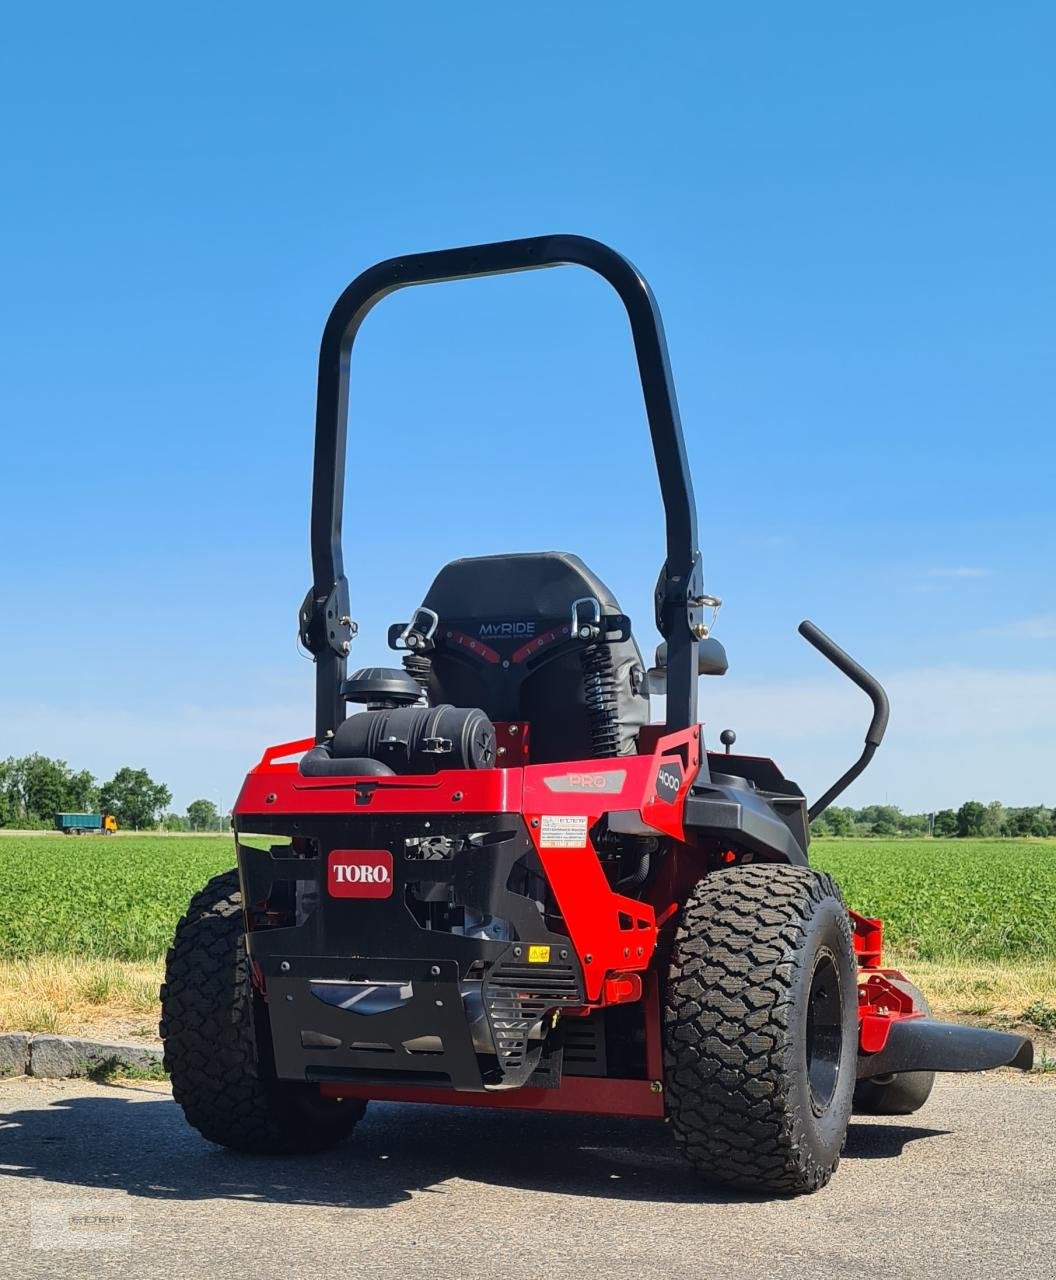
(538,955)
(563,831)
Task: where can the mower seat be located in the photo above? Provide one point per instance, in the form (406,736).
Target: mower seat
(504,642)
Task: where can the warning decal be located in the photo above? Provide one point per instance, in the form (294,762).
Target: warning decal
(562,831)
(538,955)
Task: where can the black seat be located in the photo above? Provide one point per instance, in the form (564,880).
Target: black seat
(504,642)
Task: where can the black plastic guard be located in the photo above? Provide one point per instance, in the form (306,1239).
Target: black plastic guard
(745,817)
(375,1046)
(921,1044)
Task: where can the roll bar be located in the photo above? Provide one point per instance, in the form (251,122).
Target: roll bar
(869,684)
(326,626)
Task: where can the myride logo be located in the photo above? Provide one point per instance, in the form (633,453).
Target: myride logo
(359,873)
(501,630)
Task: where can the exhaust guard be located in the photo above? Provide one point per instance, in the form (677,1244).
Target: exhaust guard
(921,1044)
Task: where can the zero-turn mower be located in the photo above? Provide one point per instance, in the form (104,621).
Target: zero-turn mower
(499,885)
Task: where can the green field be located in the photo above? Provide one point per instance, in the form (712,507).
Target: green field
(951,899)
(963,900)
(109,898)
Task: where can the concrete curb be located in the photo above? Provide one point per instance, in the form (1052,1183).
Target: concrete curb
(59,1057)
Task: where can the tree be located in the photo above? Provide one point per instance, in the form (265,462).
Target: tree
(82,794)
(38,786)
(203,815)
(970,818)
(174,822)
(35,787)
(945,823)
(841,822)
(134,798)
(995,818)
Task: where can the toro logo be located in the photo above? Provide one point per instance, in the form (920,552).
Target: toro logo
(669,781)
(359,873)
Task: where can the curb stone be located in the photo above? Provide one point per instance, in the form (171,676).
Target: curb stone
(58,1057)
(14,1053)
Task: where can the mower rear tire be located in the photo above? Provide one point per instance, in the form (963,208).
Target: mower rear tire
(904,1092)
(208,1012)
(760,1028)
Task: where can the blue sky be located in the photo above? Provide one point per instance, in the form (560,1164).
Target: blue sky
(846,213)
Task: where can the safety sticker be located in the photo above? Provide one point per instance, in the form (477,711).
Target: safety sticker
(563,831)
(538,955)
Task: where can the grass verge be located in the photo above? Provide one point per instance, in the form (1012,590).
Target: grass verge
(72,995)
(118,999)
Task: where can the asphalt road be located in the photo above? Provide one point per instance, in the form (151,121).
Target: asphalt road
(965,1189)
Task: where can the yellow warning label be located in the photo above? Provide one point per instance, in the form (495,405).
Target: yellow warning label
(538,955)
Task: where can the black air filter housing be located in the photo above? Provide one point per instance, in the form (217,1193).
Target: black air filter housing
(419,739)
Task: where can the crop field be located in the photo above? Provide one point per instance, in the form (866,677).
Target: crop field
(97,897)
(951,899)
(84,923)
(965,900)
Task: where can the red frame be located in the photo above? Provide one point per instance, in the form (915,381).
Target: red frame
(614,936)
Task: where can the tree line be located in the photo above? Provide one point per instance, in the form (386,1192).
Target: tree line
(972,819)
(34,788)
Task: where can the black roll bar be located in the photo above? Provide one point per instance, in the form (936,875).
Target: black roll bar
(325,622)
(869,684)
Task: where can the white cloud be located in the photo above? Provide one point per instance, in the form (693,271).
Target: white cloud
(1041,627)
(956,733)
(961,572)
(196,751)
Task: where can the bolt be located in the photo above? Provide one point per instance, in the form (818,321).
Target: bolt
(439,1003)
(270,799)
(640,952)
(564,955)
(626,952)
(535,822)
(457,795)
(502,751)
(435,971)
(285,966)
(289,999)
(329,733)
(514,730)
(505,662)
(345,646)
(517,951)
(655,1086)
(588,959)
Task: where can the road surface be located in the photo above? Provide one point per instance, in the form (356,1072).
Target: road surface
(965,1189)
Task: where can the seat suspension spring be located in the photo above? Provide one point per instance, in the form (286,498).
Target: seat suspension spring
(599,692)
(420,667)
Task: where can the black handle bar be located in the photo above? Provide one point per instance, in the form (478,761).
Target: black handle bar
(680,583)
(881,709)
